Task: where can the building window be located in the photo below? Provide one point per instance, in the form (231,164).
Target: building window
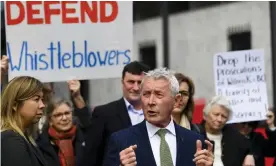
(148,55)
(239,39)
(145,10)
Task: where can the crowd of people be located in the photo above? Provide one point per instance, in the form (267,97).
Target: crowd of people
(151,124)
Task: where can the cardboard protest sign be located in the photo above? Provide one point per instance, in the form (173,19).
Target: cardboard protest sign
(240,77)
(64,40)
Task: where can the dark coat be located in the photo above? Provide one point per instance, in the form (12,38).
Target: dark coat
(235,146)
(17,151)
(50,151)
(138,135)
(106,119)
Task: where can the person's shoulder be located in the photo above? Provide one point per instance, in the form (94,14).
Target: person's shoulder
(105,108)
(10,137)
(127,132)
(8,134)
(188,133)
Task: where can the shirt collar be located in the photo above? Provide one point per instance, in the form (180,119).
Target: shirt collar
(153,129)
(131,108)
(128,105)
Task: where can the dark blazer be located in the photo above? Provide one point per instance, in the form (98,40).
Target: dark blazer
(50,151)
(185,142)
(235,146)
(106,119)
(17,151)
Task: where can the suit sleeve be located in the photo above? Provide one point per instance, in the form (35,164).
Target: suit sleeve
(14,152)
(112,156)
(94,140)
(84,116)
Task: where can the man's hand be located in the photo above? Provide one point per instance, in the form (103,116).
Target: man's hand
(128,157)
(74,87)
(4,64)
(249,161)
(204,157)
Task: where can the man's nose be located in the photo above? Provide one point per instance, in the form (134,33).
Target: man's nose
(136,86)
(151,99)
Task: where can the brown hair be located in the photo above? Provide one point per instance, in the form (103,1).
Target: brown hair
(17,91)
(272,109)
(189,109)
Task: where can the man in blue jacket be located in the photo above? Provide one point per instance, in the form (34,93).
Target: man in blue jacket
(158,140)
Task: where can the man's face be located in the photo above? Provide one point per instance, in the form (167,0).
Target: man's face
(217,118)
(131,86)
(157,101)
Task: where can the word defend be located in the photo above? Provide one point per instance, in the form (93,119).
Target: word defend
(32,11)
(64,40)
(240,77)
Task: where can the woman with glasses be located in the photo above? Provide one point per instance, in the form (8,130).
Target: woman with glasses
(183,110)
(62,140)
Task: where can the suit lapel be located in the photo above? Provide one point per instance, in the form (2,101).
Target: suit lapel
(123,113)
(183,148)
(144,146)
(37,153)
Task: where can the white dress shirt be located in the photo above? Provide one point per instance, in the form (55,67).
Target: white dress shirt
(170,138)
(136,116)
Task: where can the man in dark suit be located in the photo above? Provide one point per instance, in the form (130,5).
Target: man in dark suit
(158,140)
(117,115)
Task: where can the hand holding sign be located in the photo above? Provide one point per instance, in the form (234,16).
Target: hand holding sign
(204,157)
(74,87)
(128,157)
(4,64)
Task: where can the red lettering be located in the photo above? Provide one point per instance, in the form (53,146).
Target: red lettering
(31,12)
(66,11)
(96,12)
(114,13)
(20,18)
(49,12)
(91,12)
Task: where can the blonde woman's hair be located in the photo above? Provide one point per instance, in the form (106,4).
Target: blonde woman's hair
(17,91)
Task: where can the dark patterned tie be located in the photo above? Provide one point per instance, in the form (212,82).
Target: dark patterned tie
(165,154)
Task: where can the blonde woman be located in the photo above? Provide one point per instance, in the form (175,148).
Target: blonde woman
(21,107)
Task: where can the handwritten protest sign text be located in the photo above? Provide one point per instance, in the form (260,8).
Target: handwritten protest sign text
(240,77)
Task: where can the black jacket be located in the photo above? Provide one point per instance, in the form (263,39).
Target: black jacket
(106,119)
(271,143)
(17,151)
(234,145)
(50,151)
(258,147)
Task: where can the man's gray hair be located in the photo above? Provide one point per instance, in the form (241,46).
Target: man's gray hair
(218,100)
(163,73)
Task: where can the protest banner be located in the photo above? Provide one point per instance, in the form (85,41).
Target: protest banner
(64,40)
(240,77)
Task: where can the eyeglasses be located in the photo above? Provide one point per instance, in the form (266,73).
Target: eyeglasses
(184,93)
(59,116)
(269,116)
